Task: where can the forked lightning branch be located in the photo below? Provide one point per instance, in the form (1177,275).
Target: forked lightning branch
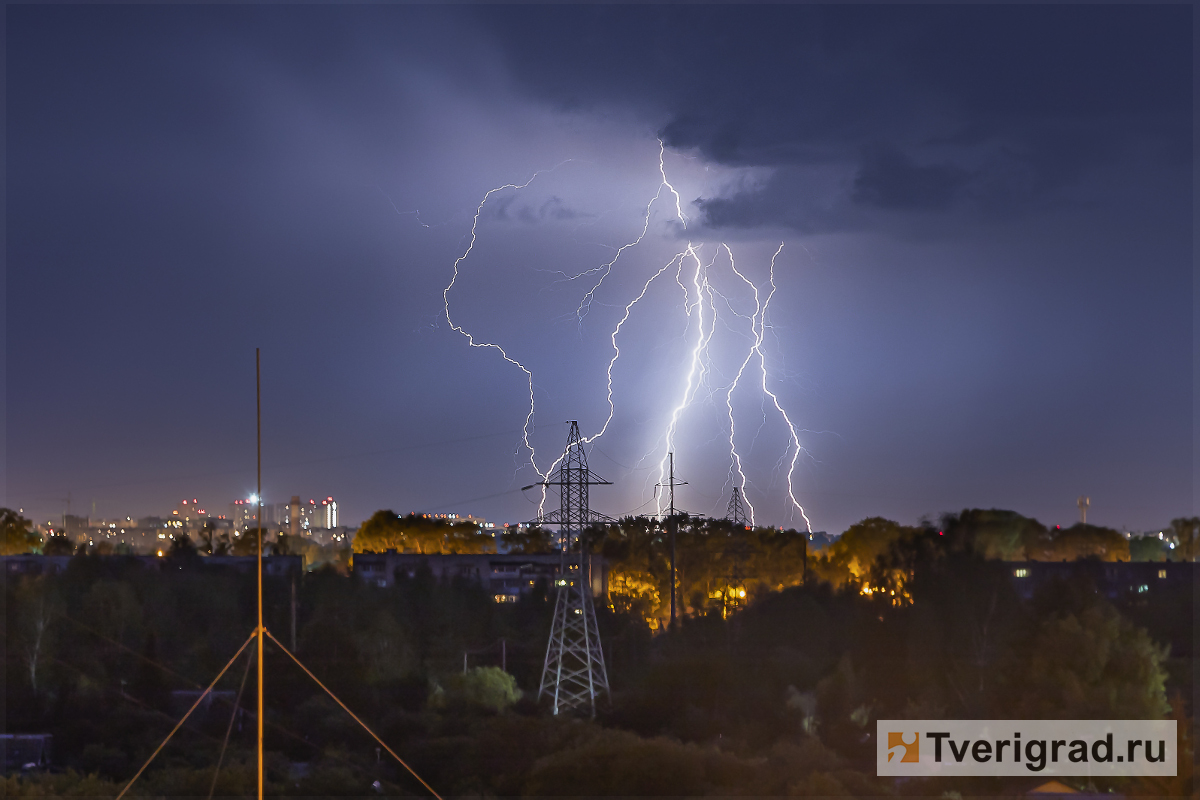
(692,268)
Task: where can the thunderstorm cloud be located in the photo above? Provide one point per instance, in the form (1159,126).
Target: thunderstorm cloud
(985,295)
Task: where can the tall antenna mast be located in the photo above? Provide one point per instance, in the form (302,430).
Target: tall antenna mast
(259,631)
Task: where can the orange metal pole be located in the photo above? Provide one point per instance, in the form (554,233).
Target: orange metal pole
(258,519)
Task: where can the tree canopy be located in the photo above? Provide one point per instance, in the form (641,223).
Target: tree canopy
(420,533)
(19,536)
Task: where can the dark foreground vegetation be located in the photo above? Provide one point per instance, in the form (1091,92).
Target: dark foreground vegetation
(776,697)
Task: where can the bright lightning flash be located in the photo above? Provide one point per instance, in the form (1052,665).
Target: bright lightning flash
(700,309)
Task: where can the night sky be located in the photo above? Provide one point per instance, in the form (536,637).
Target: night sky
(984,297)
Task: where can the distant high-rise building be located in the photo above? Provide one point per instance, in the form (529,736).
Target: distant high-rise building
(293,517)
(188,513)
(308,515)
(242,513)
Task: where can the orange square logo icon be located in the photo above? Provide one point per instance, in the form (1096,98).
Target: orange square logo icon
(910,751)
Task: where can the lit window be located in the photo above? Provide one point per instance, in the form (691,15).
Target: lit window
(1021,573)
(1162,573)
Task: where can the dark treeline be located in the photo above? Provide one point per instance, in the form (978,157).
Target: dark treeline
(776,694)
(720,564)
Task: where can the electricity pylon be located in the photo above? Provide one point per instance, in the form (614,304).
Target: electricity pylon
(574,674)
(736,513)
(733,596)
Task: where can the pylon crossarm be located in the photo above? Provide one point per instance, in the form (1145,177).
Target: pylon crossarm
(353,716)
(182,720)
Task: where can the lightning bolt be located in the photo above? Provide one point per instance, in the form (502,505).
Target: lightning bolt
(698,362)
(699,365)
(612,408)
(585,304)
(756,335)
(605,270)
(700,309)
(525,430)
(415,212)
(762,362)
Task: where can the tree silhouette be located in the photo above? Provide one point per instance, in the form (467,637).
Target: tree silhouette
(19,536)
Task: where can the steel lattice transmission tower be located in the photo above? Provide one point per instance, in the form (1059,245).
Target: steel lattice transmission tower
(736,513)
(574,674)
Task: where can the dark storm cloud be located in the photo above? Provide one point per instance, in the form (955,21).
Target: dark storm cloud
(889,179)
(922,108)
(885,181)
(783,200)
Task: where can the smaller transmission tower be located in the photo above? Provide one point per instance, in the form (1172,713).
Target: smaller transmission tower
(574,674)
(733,595)
(673,525)
(736,513)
